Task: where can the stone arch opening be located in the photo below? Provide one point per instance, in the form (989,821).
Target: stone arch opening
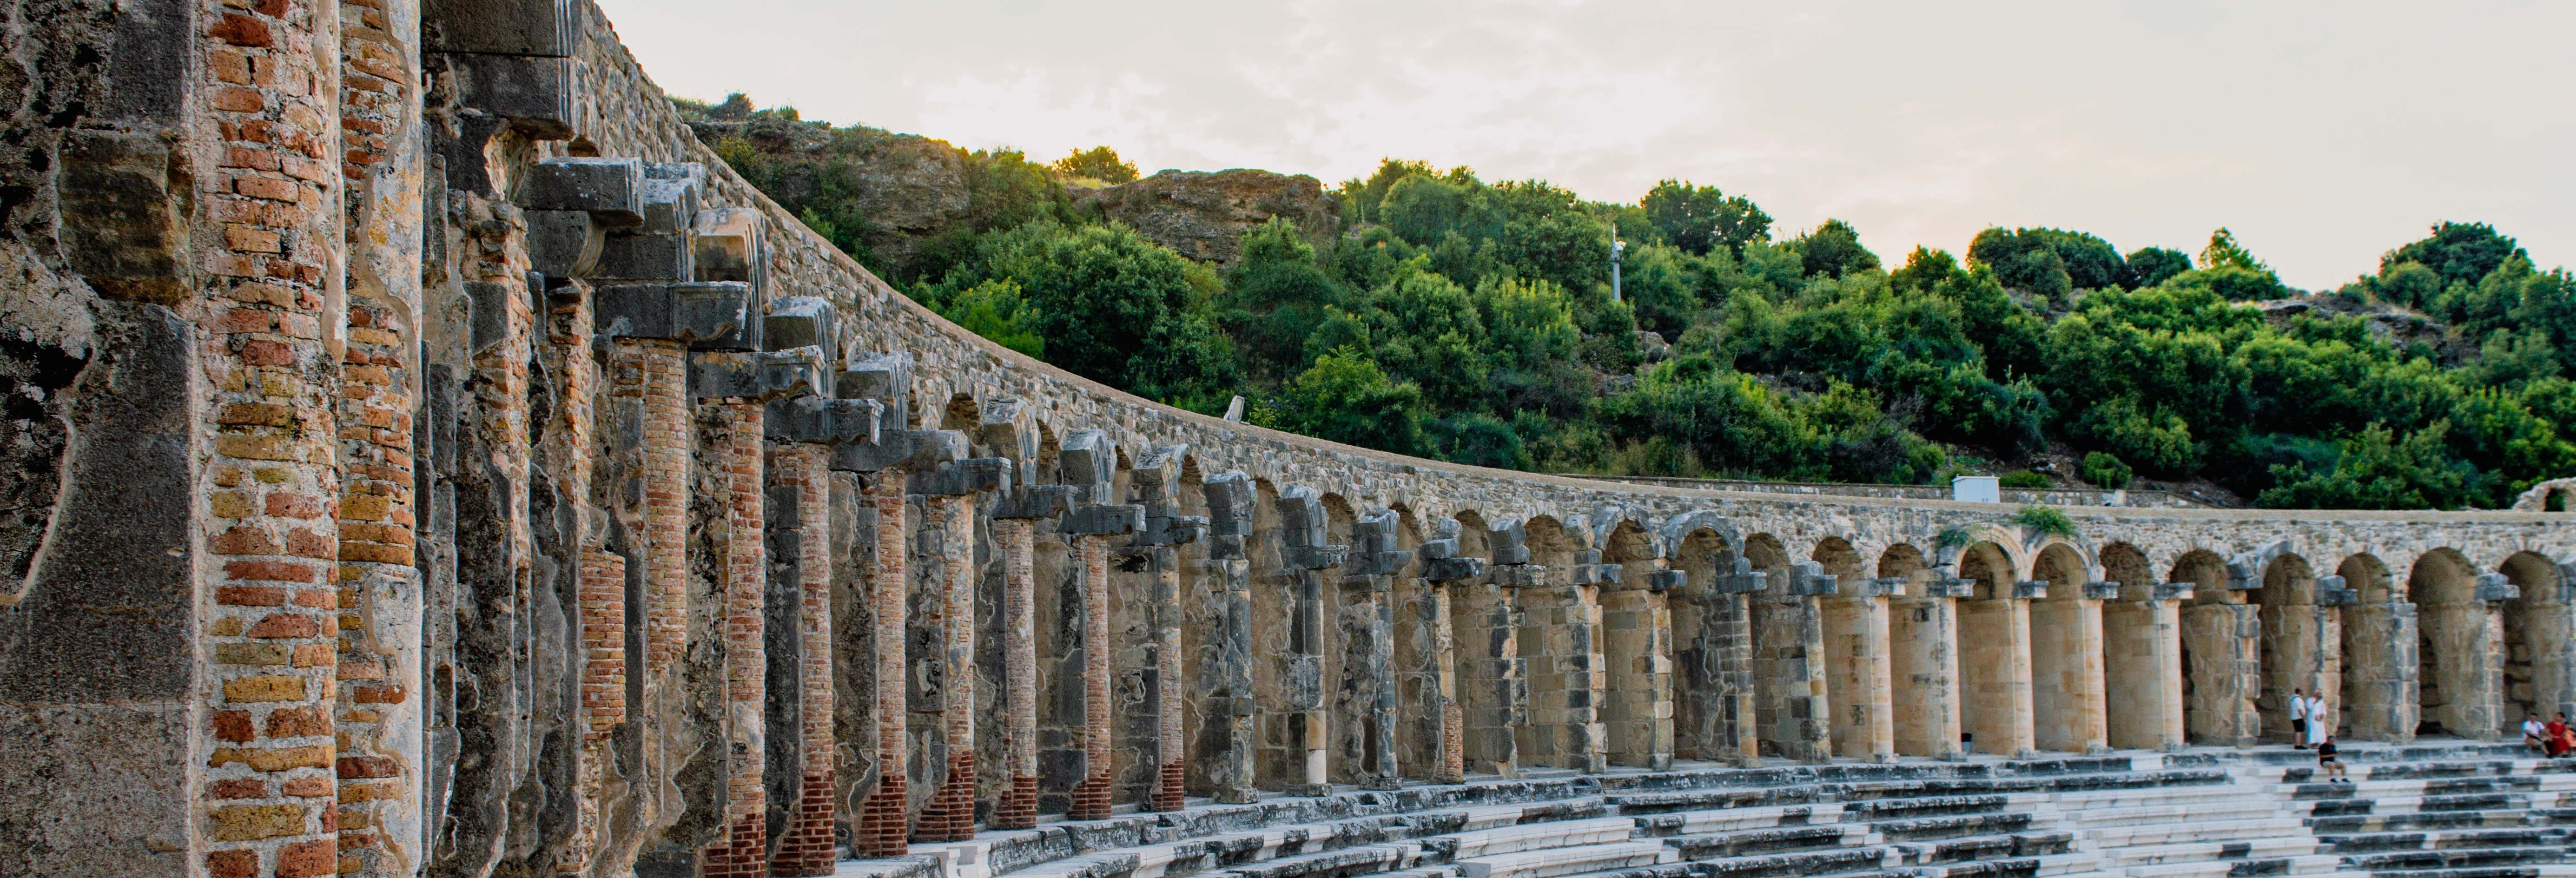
(2300,649)
(1707,624)
(2538,651)
(1856,655)
(2378,656)
(1352,635)
(1789,712)
(1492,682)
(1636,632)
(2141,655)
(2066,656)
(2221,665)
(1923,665)
(1285,678)
(2458,646)
(1994,655)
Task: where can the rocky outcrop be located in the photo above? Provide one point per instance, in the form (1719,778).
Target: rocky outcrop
(1202,214)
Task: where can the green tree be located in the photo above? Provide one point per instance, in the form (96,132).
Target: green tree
(2150,266)
(1834,250)
(1346,398)
(2106,470)
(996,310)
(2457,252)
(1098,163)
(2376,470)
(1698,219)
(2224,252)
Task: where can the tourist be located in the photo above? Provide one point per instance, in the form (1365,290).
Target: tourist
(2317,725)
(2298,720)
(2560,739)
(2326,760)
(2535,733)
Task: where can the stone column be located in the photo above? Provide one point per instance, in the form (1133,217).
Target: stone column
(1789,653)
(1728,727)
(1014,534)
(2068,693)
(2549,632)
(883,829)
(950,499)
(1570,680)
(2142,658)
(1995,640)
(1155,483)
(1497,676)
(1434,669)
(1302,529)
(2380,670)
(744,849)
(2223,636)
(1086,462)
(1636,622)
(1924,634)
(1369,646)
(1228,681)
(1859,664)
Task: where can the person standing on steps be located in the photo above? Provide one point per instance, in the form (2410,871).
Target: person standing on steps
(2298,720)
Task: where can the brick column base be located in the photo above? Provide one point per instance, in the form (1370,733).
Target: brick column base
(1167,788)
(950,815)
(808,848)
(1091,797)
(881,831)
(1018,808)
(743,854)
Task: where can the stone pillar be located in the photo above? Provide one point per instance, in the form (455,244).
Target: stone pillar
(1086,463)
(1789,662)
(1155,483)
(1636,622)
(1304,551)
(1859,664)
(2068,692)
(744,850)
(1497,676)
(2223,637)
(1570,680)
(883,828)
(1368,643)
(1431,661)
(1227,683)
(1995,643)
(2379,670)
(1728,729)
(950,501)
(1924,631)
(2142,664)
(801,655)
(1014,535)
(2549,632)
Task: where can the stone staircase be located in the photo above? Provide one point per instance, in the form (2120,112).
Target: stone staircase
(2457,811)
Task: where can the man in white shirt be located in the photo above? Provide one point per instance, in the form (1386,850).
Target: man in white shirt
(2298,720)
(2535,734)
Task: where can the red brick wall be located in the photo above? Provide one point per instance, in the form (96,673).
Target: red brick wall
(808,848)
(744,853)
(1091,797)
(882,826)
(1018,808)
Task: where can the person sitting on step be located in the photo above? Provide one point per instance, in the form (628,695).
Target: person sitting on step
(2326,760)
(2534,733)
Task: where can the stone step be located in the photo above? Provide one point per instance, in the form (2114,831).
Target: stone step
(1553,862)
(2407,804)
(1935,828)
(2531,871)
(2460,859)
(1532,836)
(2241,807)
(1871,859)
(1741,843)
(2045,866)
(2113,838)
(2501,817)
(2299,865)
(1875,810)
(1693,822)
(1710,799)
(2177,795)
(2207,851)
(2439,840)
(1987,848)
(1368,859)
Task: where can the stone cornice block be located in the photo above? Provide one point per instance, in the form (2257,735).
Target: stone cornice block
(564,243)
(1033,501)
(1087,461)
(886,378)
(2101,591)
(1809,579)
(1667,580)
(611,190)
(758,376)
(1515,575)
(2031,589)
(1595,574)
(970,476)
(2493,588)
(2332,593)
(1230,503)
(1950,587)
(1452,569)
(545,28)
(533,94)
(820,419)
(1883,587)
(671,194)
(672,311)
(901,450)
(1104,519)
(1508,544)
(2172,591)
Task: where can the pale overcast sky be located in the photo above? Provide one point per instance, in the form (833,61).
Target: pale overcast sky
(2322,133)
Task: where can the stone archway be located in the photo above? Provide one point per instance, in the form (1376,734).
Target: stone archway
(2539,653)
(1856,657)
(2459,648)
(1994,655)
(1560,636)
(2066,675)
(1636,638)
(2141,655)
(2222,667)
(1923,664)
(2379,665)
(1788,667)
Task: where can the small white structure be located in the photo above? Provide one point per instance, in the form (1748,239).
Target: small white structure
(1976,489)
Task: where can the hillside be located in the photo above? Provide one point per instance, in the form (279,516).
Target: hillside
(1427,311)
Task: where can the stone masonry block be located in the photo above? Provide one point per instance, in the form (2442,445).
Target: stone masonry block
(2029,590)
(1508,544)
(638,256)
(1104,519)
(886,378)
(803,321)
(671,194)
(564,243)
(1809,579)
(729,245)
(1230,501)
(2493,587)
(1452,569)
(1883,587)
(1033,501)
(549,28)
(2331,592)
(909,450)
(1000,426)
(680,312)
(610,190)
(960,478)
(534,94)
(1086,461)
(756,375)
(822,419)
(2101,591)
(1667,580)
